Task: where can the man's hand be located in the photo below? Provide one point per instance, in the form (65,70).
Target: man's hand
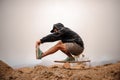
(37,43)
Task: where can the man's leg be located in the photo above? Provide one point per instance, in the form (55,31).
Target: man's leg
(59,46)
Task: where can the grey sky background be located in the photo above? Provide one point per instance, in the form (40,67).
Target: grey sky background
(22,22)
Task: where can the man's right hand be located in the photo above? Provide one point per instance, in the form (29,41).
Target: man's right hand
(37,43)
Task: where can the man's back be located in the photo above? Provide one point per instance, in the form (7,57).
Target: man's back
(65,35)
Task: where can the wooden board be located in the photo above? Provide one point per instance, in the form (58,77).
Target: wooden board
(72,61)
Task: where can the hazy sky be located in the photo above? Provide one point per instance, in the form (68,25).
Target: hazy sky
(22,22)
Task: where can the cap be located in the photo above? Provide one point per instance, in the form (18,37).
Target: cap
(57,26)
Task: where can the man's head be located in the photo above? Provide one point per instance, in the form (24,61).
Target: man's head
(57,27)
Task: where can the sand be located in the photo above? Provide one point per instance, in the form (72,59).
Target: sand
(57,72)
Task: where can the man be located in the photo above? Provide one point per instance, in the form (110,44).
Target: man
(69,43)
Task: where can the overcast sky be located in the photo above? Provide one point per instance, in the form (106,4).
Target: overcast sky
(22,22)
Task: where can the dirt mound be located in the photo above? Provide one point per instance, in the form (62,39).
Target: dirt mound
(4,69)
(57,72)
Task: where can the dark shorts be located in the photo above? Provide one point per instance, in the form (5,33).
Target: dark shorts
(74,48)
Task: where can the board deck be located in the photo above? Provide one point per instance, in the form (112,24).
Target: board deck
(72,61)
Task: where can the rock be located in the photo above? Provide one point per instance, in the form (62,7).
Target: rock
(27,70)
(5,69)
(66,65)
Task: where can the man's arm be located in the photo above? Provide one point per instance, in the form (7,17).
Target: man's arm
(53,37)
(50,38)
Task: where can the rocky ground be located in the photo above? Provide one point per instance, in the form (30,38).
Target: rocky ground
(57,72)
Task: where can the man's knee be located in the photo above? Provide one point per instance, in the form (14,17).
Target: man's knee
(60,42)
(60,45)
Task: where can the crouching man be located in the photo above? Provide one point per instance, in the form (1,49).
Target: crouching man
(69,43)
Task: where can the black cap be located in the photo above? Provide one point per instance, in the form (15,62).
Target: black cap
(57,26)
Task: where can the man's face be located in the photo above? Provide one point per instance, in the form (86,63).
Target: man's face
(55,30)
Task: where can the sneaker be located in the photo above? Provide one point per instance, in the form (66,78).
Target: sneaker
(38,53)
(70,59)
